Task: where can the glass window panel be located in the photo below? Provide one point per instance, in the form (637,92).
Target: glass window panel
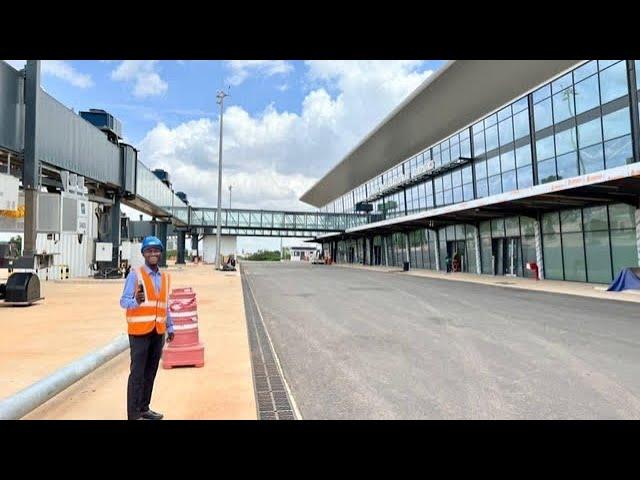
(566,141)
(455,151)
(623,249)
(613,82)
(541,93)
(595,218)
(509,181)
(552,257)
(478,143)
(491,136)
(561,83)
(506,131)
(467,174)
(590,132)
(616,124)
(591,159)
(468,192)
(508,160)
(477,128)
(571,220)
(567,165)
(585,70)
(512,227)
(525,177)
(563,107)
(504,113)
(495,185)
(497,228)
(464,134)
(439,198)
(527,225)
(490,120)
(481,168)
(542,114)
(551,222)
(438,183)
(482,188)
(465,148)
(445,156)
(485,229)
(598,256)
(493,165)
(602,64)
(547,171)
(622,216)
(528,253)
(618,152)
(573,256)
(456,178)
(587,94)
(448,197)
(446,181)
(521,104)
(436,159)
(523,155)
(545,148)
(521,124)
(457,195)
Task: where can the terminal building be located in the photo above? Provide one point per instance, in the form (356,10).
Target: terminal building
(490,167)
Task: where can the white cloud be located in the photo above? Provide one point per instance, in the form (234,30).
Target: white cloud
(273,157)
(147,81)
(59,69)
(241,69)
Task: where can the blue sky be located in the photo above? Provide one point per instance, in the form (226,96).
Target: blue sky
(286,122)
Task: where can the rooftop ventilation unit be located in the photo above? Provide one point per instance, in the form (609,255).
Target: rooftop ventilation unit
(106,122)
(163,175)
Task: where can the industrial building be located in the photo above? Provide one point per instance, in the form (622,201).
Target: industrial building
(515,167)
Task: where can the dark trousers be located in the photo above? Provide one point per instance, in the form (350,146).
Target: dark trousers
(146,351)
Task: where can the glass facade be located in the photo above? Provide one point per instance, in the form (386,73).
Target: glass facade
(576,124)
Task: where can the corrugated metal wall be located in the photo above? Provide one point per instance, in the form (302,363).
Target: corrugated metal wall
(70,142)
(11,108)
(77,256)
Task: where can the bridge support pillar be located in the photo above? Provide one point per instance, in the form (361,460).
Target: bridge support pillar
(161,233)
(182,237)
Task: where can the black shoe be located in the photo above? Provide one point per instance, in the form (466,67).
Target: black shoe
(151,415)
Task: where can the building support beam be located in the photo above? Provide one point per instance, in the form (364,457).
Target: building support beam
(437,250)
(407,257)
(31,163)
(182,237)
(161,233)
(539,254)
(476,237)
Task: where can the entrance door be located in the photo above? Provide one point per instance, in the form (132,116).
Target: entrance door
(377,255)
(456,251)
(506,256)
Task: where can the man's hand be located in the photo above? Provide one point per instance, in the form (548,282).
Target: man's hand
(170,337)
(140,296)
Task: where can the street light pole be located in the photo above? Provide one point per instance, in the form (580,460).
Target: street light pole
(220,100)
(230,197)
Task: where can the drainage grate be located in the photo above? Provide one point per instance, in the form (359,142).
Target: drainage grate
(271,395)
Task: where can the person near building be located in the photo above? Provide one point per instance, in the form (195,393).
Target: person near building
(146,300)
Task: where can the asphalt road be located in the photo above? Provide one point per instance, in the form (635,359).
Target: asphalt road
(357,344)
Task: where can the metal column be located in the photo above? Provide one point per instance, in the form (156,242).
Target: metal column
(161,229)
(114,234)
(407,257)
(539,252)
(182,237)
(31,163)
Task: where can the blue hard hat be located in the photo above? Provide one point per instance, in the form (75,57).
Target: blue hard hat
(151,242)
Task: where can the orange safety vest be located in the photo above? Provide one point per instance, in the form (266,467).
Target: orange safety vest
(152,313)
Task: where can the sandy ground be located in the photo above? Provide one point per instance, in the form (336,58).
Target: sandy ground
(79,316)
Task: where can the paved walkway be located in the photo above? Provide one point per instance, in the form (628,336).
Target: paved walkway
(593,290)
(79,316)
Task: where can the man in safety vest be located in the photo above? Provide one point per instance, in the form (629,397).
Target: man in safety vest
(146,300)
